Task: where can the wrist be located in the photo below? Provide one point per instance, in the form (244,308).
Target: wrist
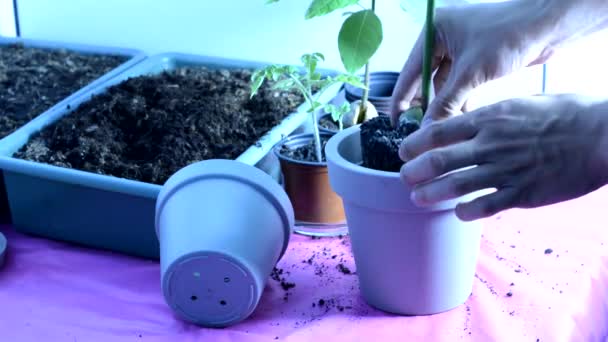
(560,22)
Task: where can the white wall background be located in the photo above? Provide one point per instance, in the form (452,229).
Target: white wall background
(581,68)
(7,19)
(249,29)
(246,29)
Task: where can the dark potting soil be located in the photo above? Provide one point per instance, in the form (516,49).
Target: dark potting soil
(33,79)
(380,143)
(305,152)
(328,123)
(148,127)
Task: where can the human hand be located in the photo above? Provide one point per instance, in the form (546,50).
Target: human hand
(474,44)
(533,151)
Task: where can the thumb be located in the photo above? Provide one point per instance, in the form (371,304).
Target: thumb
(451,98)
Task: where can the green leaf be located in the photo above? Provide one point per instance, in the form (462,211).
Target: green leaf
(322,7)
(359,39)
(311,60)
(285,84)
(337,112)
(413,114)
(257,79)
(352,80)
(271,1)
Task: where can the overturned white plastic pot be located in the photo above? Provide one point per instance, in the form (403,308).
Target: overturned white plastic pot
(410,260)
(222,226)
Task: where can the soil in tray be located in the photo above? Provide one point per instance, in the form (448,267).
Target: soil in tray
(148,127)
(33,79)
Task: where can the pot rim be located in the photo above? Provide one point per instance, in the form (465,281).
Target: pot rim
(235,171)
(332,149)
(397,199)
(277,148)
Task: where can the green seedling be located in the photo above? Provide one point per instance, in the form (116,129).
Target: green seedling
(361,35)
(337,112)
(359,38)
(287,77)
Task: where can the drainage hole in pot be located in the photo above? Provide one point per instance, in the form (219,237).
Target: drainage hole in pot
(223,302)
(193,298)
(196,274)
(226,280)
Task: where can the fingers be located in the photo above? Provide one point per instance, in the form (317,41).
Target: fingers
(453,93)
(487,205)
(410,79)
(442,74)
(457,184)
(437,134)
(438,162)
(408,82)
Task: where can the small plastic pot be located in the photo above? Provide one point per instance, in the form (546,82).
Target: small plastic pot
(222,226)
(318,210)
(410,260)
(381,85)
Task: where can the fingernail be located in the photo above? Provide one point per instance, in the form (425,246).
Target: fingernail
(414,196)
(403,153)
(403,175)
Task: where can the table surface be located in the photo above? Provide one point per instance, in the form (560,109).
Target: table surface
(52,291)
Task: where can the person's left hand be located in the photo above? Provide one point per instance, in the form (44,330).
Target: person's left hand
(533,151)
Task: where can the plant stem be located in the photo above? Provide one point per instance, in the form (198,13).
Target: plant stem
(307,91)
(315,128)
(429,41)
(363,106)
(366,90)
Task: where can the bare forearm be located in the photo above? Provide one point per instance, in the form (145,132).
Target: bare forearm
(565,21)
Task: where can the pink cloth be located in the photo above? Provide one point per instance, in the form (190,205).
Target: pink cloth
(51,291)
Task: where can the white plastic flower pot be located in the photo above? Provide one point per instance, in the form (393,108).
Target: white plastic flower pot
(222,226)
(410,260)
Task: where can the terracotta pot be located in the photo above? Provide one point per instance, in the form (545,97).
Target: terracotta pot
(314,202)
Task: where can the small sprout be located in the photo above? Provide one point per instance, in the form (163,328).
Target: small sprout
(337,113)
(413,114)
(286,77)
(356,115)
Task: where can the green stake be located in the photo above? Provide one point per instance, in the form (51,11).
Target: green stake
(429,41)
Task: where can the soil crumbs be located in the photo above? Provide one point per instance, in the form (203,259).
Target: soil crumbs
(33,79)
(148,127)
(327,265)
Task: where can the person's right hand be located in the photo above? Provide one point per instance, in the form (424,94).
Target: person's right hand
(474,44)
(534,151)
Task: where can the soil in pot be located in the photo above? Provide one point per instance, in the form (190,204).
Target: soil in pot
(148,127)
(306,152)
(380,142)
(33,79)
(328,123)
